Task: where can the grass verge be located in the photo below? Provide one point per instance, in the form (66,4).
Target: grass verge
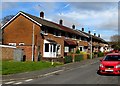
(11,67)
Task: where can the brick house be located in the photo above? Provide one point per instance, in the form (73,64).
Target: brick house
(35,36)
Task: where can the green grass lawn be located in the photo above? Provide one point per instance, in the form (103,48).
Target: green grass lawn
(11,67)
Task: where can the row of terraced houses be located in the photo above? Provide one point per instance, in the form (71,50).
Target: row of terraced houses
(37,36)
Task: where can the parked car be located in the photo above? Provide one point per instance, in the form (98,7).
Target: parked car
(110,64)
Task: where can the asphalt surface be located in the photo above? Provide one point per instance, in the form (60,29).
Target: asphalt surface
(84,72)
(82,75)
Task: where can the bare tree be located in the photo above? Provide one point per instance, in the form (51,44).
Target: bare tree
(6,19)
(115,38)
(115,41)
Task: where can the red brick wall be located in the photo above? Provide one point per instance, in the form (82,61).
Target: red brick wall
(7,53)
(28,52)
(20,30)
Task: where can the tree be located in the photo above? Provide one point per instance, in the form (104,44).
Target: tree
(6,19)
(115,42)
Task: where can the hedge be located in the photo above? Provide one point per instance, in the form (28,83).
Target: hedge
(78,58)
(68,59)
(100,54)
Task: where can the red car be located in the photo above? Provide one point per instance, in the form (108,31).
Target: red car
(110,64)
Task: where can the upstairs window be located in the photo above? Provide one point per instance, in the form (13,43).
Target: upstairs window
(66,35)
(45,31)
(21,44)
(12,44)
(74,37)
(57,33)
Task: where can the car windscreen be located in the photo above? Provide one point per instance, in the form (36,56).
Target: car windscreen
(112,58)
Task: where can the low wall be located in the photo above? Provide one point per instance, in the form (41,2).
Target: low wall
(7,52)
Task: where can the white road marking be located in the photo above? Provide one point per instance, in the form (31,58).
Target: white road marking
(18,83)
(28,80)
(10,82)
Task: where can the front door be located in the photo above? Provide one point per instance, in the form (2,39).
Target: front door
(52,50)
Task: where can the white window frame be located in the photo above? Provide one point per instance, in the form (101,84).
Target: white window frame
(21,44)
(12,44)
(66,50)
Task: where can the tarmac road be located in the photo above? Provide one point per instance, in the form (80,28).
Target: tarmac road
(86,74)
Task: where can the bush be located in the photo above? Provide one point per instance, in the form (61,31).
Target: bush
(77,51)
(68,59)
(83,53)
(78,58)
(100,54)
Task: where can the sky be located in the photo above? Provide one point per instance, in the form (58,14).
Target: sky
(98,17)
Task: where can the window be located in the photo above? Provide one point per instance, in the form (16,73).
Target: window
(46,47)
(66,36)
(12,44)
(81,48)
(66,49)
(57,33)
(54,48)
(44,32)
(74,37)
(80,38)
(21,44)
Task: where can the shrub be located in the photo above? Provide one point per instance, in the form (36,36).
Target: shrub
(68,59)
(83,53)
(78,58)
(77,51)
(100,54)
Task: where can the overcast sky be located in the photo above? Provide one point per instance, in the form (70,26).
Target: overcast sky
(99,16)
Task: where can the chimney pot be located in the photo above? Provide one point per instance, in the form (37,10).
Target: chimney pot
(94,34)
(99,35)
(82,29)
(73,26)
(61,22)
(89,32)
(42,14)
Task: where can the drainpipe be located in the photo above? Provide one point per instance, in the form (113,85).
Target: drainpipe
(33,43)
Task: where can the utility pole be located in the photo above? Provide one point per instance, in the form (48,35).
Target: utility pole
(91,47)
(33,43)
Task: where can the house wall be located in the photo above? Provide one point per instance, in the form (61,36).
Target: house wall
(20,31)
(59,40)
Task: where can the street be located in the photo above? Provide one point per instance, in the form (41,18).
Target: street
(81,75)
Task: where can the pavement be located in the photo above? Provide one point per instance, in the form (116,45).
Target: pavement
(49,71)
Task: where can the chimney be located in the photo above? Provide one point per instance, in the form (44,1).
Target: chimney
(99,35)
(61,22)
(94,34)
(42,14)
(73,26)
(89,32)
(82,29)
